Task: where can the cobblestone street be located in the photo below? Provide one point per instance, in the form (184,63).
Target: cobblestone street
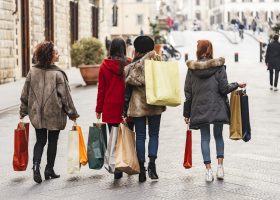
(251,169)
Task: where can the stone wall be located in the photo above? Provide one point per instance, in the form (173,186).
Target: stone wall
(7,46)
(62,32)
(10,34)
(85,23)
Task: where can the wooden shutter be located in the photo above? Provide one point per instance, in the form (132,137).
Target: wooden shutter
(74,26)
(25,39)
(49,20)
(95,20)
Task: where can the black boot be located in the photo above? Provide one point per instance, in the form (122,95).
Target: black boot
(49,173)
(152,170)
(36,173)
(118,175)
(142,175)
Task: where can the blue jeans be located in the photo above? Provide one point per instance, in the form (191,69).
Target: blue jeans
(140,129)
(205,142)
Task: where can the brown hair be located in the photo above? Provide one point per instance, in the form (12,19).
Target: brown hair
(118,52)
(204,49)
(44,52)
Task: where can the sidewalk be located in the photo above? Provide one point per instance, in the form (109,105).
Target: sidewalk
(11,91)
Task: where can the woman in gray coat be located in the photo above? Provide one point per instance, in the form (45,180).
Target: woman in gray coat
(47,101)
(206,89)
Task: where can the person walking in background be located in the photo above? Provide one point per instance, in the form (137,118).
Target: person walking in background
(272,60)
(141,112)
(46,99)
(111,87)
(129,49)
(254,26)
(206,89)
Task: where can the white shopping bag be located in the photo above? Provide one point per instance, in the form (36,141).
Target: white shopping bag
(110,154)
(73,164)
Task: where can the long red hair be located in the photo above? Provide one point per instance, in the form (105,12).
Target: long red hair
(204,49)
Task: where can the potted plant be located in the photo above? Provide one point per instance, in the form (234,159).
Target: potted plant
(87,54)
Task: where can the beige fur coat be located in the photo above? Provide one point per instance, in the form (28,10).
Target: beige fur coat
(135,76)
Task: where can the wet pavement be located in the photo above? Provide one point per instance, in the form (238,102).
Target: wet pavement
(251,169)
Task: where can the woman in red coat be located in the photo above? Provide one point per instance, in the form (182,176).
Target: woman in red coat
(111,86)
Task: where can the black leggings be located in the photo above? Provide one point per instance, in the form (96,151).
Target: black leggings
(271,77)
(42,135)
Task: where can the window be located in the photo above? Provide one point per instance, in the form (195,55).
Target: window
(94,21)
(139,0)
(198,15)
(261,0)
(233,1)
(74,21)
(197,2)
(140,19)
(49,20)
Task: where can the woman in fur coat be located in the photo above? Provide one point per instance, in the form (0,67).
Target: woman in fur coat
(142,112)
(206,89)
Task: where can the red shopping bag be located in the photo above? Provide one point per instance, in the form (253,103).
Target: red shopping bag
(21,137)
(188,150)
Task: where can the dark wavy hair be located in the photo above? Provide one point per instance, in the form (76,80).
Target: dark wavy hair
(118,52)
(44,52)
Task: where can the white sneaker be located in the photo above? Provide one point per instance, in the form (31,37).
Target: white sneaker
(209,175)
(220,172)
(271,87)
(275,89)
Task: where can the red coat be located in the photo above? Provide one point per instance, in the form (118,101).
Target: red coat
(111,90)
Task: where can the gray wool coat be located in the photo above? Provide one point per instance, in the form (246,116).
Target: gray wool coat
(46,98)
(135,77)
(206,89)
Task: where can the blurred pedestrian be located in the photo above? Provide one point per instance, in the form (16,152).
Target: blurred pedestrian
(107,46)
(46,99)
(272,60)
(129,49)
(241,30)
(142,112)
(206,89)
(111,87)
(254,26)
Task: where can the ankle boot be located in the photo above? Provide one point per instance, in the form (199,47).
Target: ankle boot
(49,173)
(36,173)
(118,175)
(142,175)
(152,170)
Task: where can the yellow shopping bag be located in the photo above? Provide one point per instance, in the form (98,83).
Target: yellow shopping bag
(235,118)
(162,83)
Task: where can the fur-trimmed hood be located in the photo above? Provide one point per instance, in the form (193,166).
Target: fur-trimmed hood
(205,68)
(205,64)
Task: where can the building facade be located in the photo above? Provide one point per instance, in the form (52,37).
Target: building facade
(127,17)
(196,14)
(220,12)
(25,23)
(223,11)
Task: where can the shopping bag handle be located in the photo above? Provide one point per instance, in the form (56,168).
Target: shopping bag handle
(21,125)
(75,124)
(98,124)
